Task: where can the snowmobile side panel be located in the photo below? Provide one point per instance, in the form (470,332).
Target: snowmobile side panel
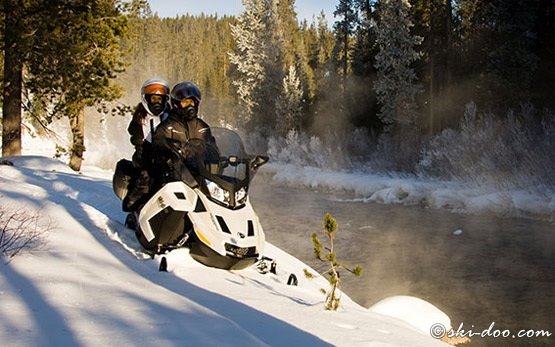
(175,194)
(168,225)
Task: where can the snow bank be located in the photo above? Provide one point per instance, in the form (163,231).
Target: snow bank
(415,311)
(407,190)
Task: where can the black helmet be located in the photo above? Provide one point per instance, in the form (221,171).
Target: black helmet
(185,91)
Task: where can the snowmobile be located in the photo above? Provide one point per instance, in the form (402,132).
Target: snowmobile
(205,206)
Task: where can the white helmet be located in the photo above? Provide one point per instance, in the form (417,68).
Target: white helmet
(159,87)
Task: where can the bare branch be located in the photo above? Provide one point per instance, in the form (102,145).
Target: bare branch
(21,230)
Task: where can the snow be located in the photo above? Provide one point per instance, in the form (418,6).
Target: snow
(415,311)
(453,196)
(91,285)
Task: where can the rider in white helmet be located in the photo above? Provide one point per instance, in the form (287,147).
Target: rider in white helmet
(148,115)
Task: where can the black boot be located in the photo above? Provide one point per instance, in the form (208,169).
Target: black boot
(132,221)
(138,193)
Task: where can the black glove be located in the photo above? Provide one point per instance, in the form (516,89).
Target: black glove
(137,157)
(143,182)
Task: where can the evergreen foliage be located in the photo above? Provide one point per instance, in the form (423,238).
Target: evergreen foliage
(66,55)
(268,49)
(289,104)
(344,29)
(250,55)
(193,48)
(433,21)
(89,33)
(364,50)
(508,67)
(396,86)
(327,255)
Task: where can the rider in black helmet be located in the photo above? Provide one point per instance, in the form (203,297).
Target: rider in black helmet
(184,133)
(185,100)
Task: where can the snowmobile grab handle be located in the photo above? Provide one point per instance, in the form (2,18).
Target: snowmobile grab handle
(258,161)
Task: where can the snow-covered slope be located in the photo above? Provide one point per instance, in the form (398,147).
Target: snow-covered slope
(91,285)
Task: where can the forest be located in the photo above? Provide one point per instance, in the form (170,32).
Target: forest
(447,89)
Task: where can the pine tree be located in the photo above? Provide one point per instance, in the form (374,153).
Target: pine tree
(364,50)
(250,55)
(259,61)
(75,63)
(505,70)
(344,29)
(433,21)
(289,105)
(294,48)
(396,86)
(319,47)
(288,28)
(21,18)
(325,44)
(70,60)
(328,255)
(361,102)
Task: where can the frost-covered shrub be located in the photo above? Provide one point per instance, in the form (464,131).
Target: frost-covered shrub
(305,150)
(394,155)
(515,152)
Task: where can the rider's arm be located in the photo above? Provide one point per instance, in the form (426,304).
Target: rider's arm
(135,130)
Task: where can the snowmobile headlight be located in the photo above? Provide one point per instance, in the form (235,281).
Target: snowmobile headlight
(241,196)
(217,192)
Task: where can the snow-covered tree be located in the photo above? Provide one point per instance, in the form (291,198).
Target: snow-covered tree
(289,104)
(249,55)
(396,86)
(258,59)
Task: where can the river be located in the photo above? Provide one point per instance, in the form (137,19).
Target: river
(478,269)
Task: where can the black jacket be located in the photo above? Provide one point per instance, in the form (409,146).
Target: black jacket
(180,136)
(143,155)
(176,142)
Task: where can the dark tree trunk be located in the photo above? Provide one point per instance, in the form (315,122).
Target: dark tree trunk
(77,123)
(13,79)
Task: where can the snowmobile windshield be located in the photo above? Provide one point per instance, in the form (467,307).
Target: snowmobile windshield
(225,168)
(226,157)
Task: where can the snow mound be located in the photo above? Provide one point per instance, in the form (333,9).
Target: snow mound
(417,312)
(36,162)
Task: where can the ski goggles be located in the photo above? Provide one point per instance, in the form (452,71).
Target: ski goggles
(156,98)
(187,102)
